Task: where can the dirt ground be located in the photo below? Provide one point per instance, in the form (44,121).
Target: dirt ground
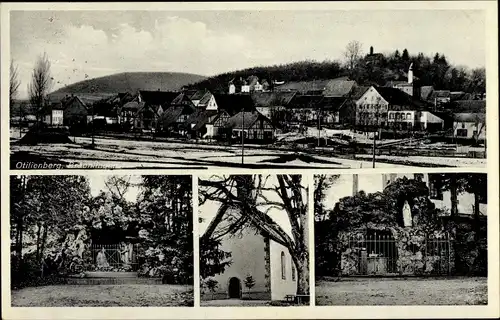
(418,291)
(103,296)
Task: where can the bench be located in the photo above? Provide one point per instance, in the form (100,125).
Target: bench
(290,298)
(302,298)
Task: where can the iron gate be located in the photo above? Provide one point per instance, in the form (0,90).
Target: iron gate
(115,255)
(381,254)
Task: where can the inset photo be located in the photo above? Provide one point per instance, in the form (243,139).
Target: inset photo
(101,241)
(254,240)
(401,239)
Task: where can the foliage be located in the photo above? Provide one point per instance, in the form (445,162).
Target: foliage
(375,211)
(213,260)
(211,285)
(165,211)
(249,282)
(53,219)
(433,71)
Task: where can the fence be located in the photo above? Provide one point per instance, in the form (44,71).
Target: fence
(381,254)
(117,256)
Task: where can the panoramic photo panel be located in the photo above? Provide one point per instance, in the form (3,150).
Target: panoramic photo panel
(254,240)
(401,239)
(124,89)
(101,241)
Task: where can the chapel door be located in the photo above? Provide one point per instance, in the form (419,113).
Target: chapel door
(234,288)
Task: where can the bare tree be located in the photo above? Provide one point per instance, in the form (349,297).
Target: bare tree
(14,82)
(252,196)
(352,54)
(118,185)
(41,83)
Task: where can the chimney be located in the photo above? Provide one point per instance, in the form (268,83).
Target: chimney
(354,184)
(371,51)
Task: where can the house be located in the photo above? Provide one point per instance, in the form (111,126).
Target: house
(374,59)
(269,102)
(173,119)
(128,113)
(252,125)
(304,109)
(53,114)
(200,123)
(213,112)
(469,119)
(337,110)
(439,97)
(155,102)
(391,107)
(197,96)
(253,254)
(372,107)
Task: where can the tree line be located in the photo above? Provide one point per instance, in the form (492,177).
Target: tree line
(431,70)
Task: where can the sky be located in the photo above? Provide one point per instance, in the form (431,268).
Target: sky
(97,183)
(91,44)
(208,210)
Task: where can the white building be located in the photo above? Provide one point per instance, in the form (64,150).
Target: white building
(253,254)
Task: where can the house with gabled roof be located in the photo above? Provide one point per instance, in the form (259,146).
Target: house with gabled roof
(174,117)
(268,102)
(469,119)
(391,107)
(252,125)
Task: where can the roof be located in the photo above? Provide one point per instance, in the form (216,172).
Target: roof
(198,95)
(269,99)
(305,101)
(234,103)
(171,115)
(333,103)
(134,106)
(182,100)
(394,83)
(339,88)
(158,97)
(469,117)
(399,99)
(245,120)
(469,106)
(359,91)
(205,98)
(425,92)
(440,94)
(199,118)
(303,86)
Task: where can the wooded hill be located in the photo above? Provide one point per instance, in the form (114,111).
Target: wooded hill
(376,69)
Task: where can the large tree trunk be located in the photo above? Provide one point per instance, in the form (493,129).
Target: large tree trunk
(453,192)
(42,248)
(302,264)
(477,223)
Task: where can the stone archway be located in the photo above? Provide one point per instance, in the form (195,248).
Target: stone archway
(234,288)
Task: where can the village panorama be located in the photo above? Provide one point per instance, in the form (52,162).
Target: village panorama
(365,110)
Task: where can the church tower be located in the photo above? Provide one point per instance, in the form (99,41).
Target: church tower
(410,74)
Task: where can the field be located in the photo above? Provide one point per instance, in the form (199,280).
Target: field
(417,291)
(116,153)
(104,296)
